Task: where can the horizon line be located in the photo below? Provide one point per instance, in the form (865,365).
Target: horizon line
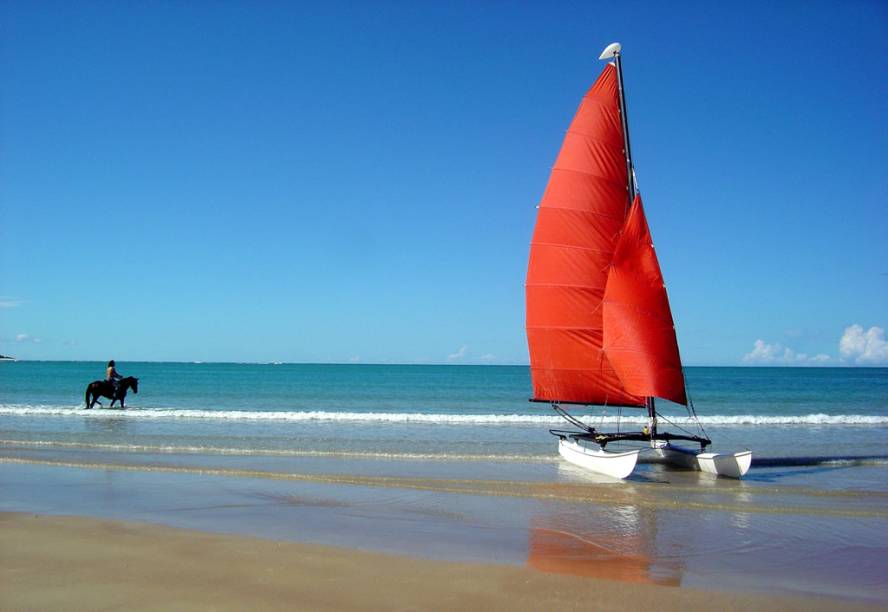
(377,363)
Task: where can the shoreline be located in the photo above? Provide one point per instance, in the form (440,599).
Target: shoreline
(51,562)
(729,540)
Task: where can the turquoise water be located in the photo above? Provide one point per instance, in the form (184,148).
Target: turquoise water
(455,460)
(439,411)
(718,393)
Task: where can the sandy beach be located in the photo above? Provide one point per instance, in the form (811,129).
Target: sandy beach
(226,500)
(113,530)
(75,563)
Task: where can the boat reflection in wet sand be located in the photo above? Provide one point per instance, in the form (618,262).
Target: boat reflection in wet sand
(559,545)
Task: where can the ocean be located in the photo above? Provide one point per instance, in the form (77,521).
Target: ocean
(454,462)
(444,411)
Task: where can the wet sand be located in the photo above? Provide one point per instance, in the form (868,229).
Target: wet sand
(325,533)
(72,563)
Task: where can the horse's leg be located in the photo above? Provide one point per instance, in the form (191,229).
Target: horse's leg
(123,402)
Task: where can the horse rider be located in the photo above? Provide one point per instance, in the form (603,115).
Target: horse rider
(112,376)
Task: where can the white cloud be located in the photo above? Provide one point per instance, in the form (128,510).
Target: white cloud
(762,353)
(27,338)
(7,302)
(354,359)
(458,355)
(864,347)
(777,354)
(858,346)
(488,358)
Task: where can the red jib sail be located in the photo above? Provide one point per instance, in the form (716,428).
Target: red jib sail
(580,217)
(639,334)
(581,281)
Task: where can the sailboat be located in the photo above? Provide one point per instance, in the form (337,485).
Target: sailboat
(599,326)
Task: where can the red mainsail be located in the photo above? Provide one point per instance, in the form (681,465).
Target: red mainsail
(639,334)
(580,219)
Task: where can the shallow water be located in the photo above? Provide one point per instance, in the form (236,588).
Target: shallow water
(479,410)
(662,526)
(454,463)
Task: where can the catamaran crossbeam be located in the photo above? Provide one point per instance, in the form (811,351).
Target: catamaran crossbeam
(602,439)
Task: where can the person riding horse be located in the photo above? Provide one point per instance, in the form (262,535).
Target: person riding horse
(113,387)
(112,376)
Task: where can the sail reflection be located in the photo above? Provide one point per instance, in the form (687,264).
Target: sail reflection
(614,543)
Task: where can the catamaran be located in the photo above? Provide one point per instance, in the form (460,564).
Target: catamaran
(599,326)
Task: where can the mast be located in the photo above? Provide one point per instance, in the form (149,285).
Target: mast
(624,117)
(615,50)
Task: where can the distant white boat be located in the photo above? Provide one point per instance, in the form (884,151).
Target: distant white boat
(599,325)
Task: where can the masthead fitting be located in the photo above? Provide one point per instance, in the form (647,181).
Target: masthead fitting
(610,51)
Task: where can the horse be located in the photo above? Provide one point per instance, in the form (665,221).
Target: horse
(104,388)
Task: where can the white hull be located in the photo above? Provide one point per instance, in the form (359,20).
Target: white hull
(615,465)
(729,465)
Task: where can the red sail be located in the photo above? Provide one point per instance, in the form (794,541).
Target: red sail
(639,335)
(580,217)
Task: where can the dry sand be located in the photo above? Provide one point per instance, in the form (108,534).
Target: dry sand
(73,563)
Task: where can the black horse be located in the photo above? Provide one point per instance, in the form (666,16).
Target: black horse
(103,388)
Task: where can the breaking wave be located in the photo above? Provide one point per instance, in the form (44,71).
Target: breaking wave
(27,410)
(269,452)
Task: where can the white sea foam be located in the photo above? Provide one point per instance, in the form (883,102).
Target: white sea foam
(27,410)
(271,452)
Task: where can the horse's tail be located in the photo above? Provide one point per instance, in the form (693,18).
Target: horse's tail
(86,395)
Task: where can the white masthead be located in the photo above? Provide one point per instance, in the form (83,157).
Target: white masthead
(610,51)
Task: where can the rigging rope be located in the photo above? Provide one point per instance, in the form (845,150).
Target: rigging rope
(692,412)
(678,426)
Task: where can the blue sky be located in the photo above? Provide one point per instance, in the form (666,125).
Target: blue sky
(340,182)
